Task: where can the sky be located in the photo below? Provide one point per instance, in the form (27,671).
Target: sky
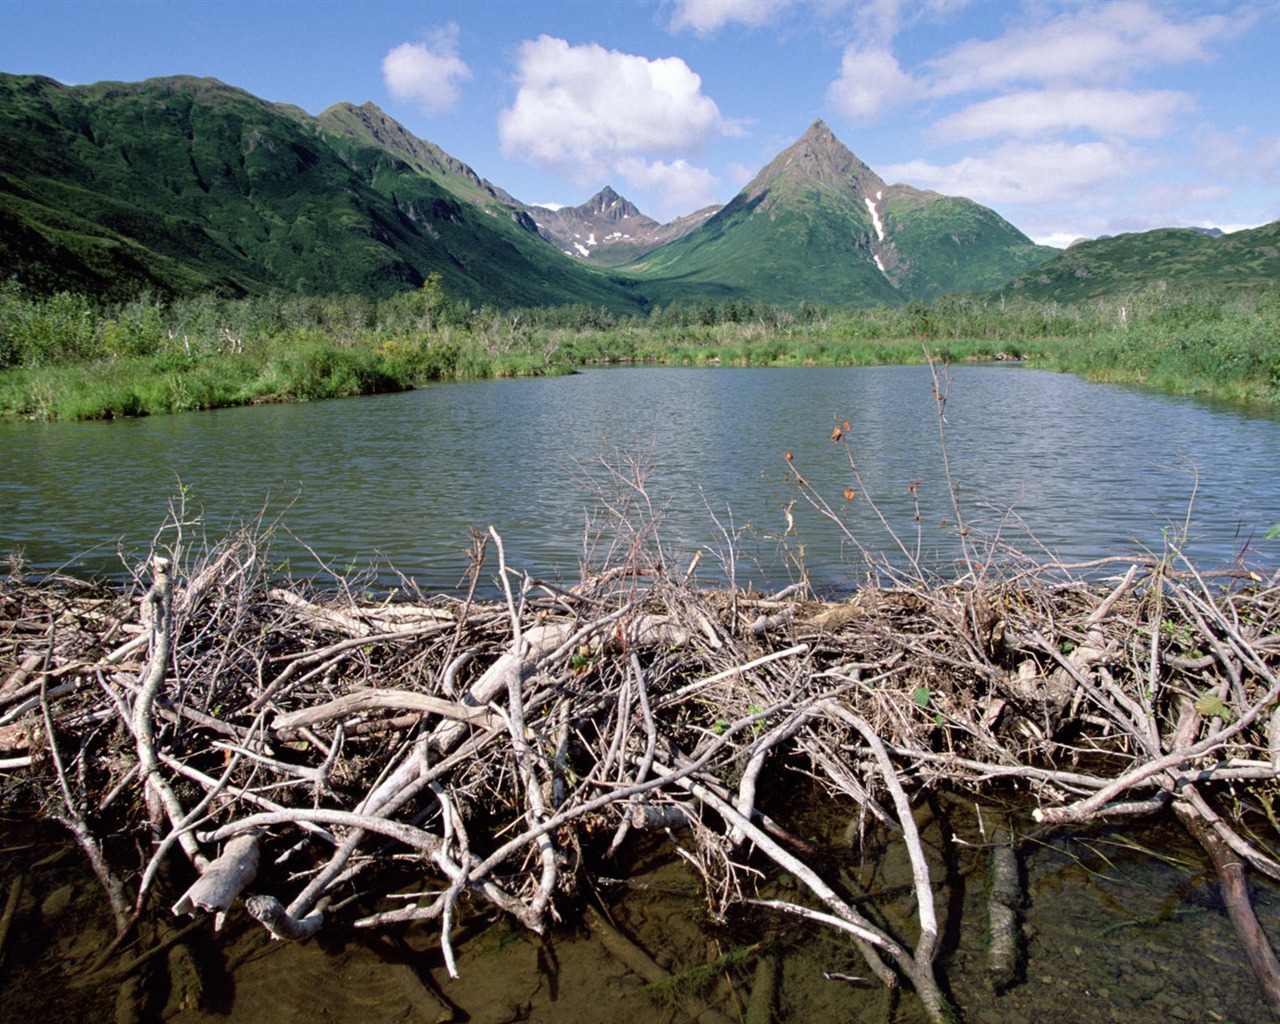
(1071,120)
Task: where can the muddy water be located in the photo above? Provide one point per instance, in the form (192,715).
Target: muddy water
(1114,932)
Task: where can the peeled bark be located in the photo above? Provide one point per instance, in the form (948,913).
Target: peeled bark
(223,880)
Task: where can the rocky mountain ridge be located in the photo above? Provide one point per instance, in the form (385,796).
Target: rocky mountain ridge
(610,230)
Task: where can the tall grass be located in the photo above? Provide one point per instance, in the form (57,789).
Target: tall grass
(67,357)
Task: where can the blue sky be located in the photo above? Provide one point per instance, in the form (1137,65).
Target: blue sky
(1070,119)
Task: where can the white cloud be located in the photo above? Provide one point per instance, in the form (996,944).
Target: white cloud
(870,82)
(740,174)
(1057,239)
(1087,43)
(707,16)
(681,187)
(1053,108)
(1238,155)
(579,110)
(1107,112)
(877,22)
(1018,173)
(427,73)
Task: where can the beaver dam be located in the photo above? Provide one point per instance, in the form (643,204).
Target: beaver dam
(234,756)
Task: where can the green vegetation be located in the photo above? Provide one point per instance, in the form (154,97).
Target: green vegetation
(66,356)
(1173,261)
(1219,349)
(947,243)
(186,185)
(183,185)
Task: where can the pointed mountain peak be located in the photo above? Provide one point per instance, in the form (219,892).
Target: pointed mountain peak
(818,131)
(817,161)
(607,204)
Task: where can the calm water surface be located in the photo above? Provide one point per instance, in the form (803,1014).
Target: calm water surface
(396,480)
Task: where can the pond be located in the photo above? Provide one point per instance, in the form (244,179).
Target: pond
(1086,471)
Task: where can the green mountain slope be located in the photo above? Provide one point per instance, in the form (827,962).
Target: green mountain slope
(818,225)
(182,184)
(1172,259)
(936,244)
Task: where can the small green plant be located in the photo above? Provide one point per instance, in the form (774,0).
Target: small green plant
(697,980)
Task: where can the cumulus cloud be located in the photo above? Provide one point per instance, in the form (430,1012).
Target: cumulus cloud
(1019,173)
(584,106)
(681,186)
(705,17)
(1238,155)
(588,113)
(1107,112)
(427,73)
(870,82)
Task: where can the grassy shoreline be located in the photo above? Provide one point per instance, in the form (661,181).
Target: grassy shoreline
(64,358)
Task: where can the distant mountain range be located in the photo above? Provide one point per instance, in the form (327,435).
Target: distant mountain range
(184,184)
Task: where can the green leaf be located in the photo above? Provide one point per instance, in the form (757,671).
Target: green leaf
(1210,705)
(921,697)
(1274,532)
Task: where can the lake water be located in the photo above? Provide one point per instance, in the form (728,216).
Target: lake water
(397,480)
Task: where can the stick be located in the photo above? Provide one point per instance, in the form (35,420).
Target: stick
(1235,893)
(642,964)
(10,908)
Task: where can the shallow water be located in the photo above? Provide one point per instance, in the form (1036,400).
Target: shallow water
(1113,933)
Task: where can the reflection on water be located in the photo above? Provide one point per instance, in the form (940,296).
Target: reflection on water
(1091,470)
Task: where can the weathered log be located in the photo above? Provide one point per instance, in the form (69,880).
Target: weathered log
(762,1005)
(1004,897)
(632,699)
(223,880)
(10,908)
(644,966)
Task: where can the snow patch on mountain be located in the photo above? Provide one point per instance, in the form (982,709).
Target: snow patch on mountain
(875,217)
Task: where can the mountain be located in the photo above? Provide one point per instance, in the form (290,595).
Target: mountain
(1185,259)
(182,184)
(818,223)
(608,229)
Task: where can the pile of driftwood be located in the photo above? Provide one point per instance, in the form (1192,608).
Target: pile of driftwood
(213,723)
